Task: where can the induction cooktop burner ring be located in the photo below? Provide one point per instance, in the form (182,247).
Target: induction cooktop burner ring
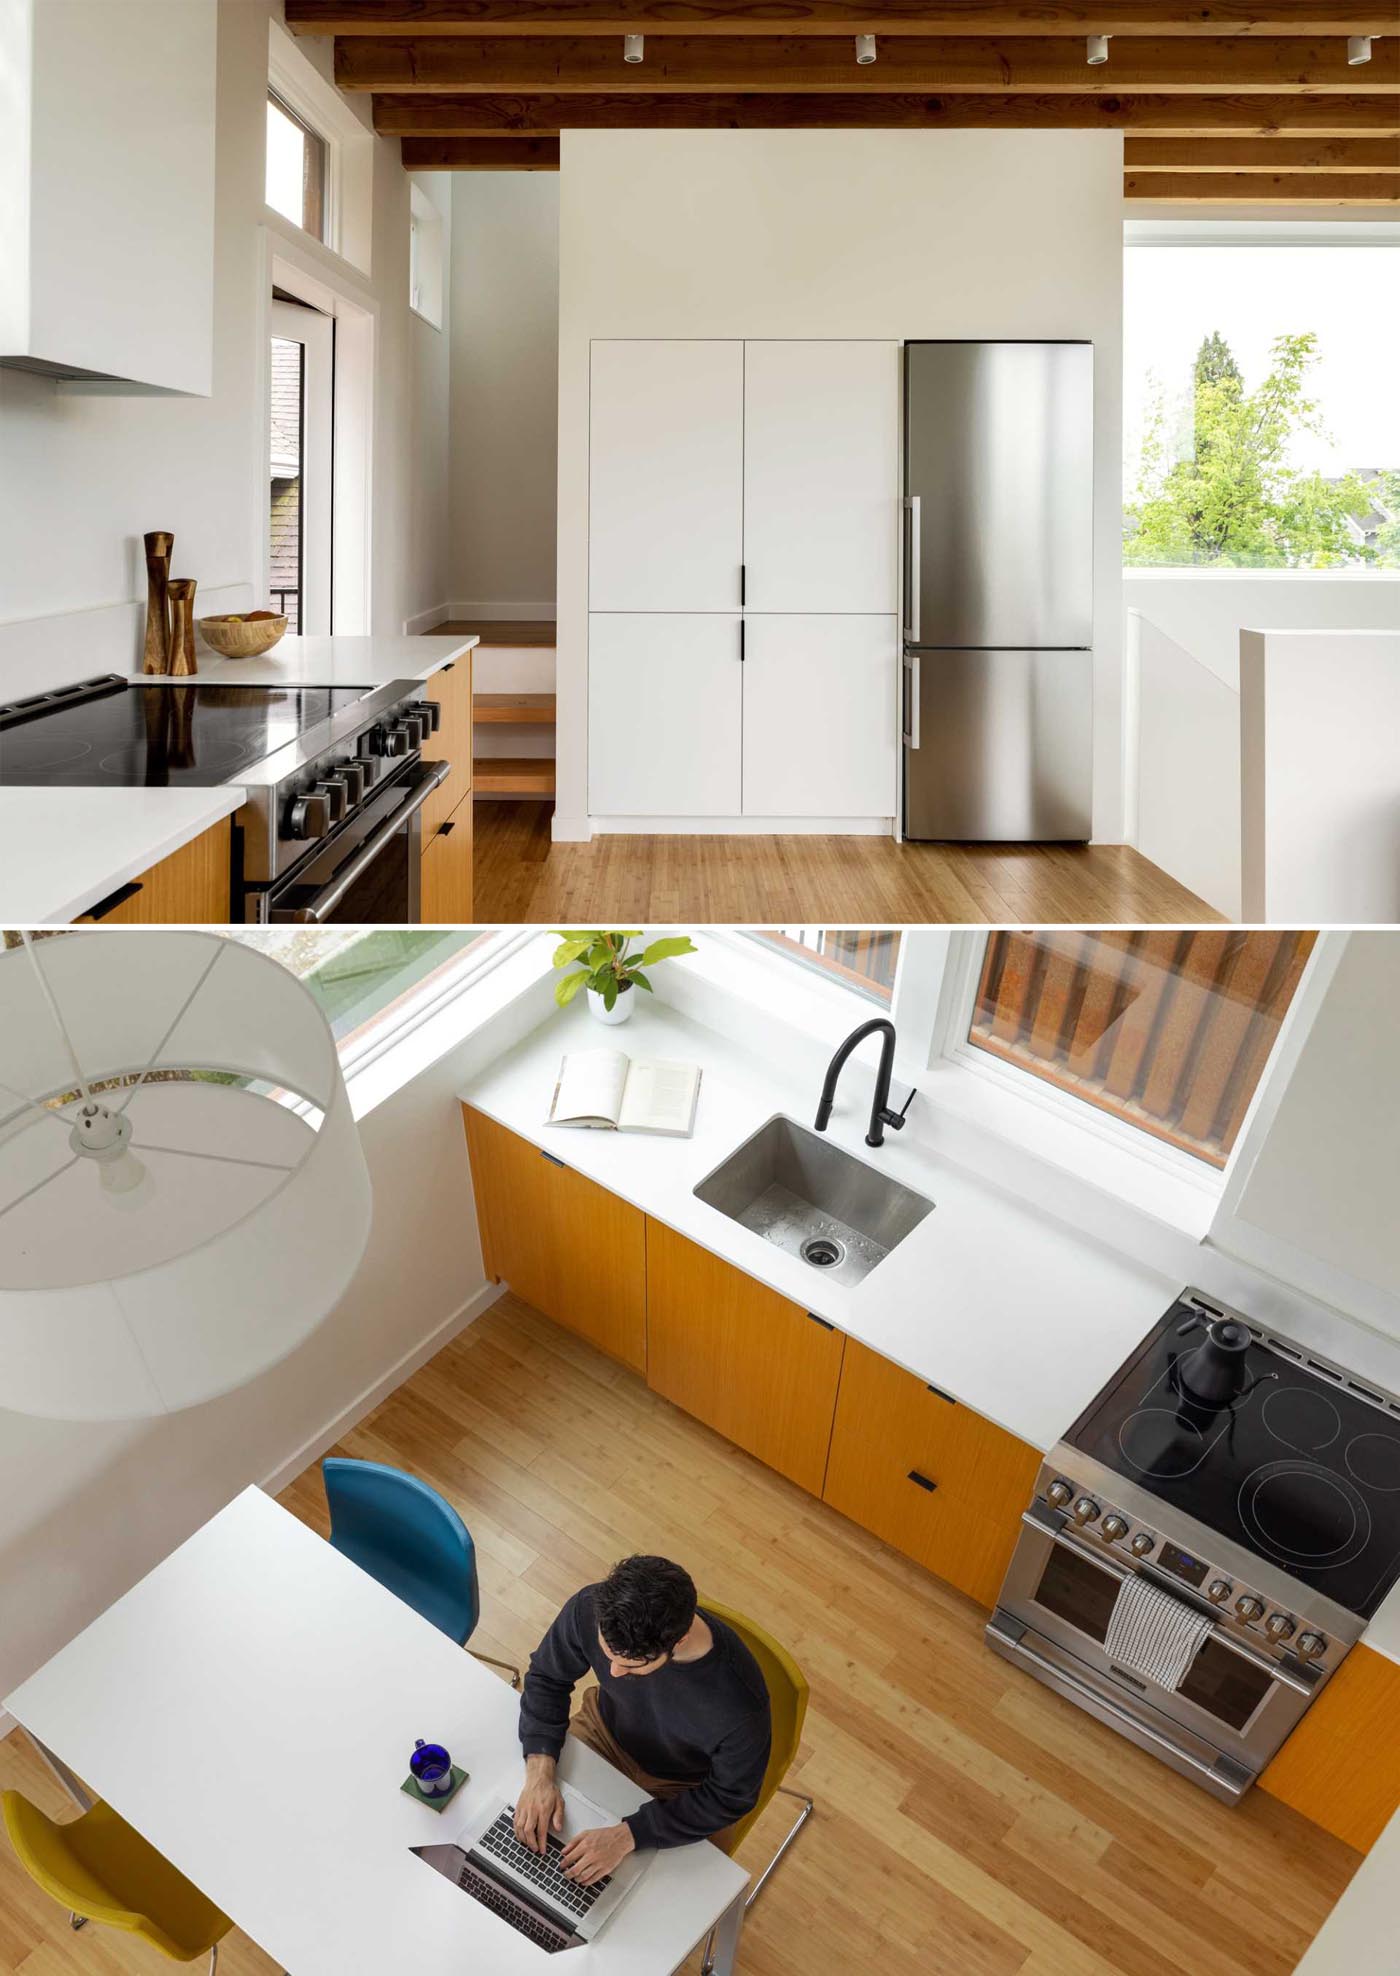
(1160,1424)
(50,753)
(1316,1424)
(1313,1478)
(1387,1446)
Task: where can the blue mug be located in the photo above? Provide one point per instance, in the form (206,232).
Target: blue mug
(432,1768)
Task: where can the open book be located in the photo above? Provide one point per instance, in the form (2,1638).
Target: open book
(606,1090)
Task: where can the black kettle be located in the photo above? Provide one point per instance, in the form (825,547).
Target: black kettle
(1215,1371)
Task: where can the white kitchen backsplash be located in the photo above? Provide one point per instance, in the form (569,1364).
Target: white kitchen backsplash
(39,653)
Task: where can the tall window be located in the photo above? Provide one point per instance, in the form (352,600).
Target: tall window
(862,960)
(296,167)
(1260,431)
(369,979)
(1169,1032)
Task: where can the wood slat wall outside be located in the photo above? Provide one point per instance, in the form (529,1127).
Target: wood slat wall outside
(1169,1031)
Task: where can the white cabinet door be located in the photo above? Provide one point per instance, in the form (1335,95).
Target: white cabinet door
(666,476)
(665,699)
(821,476)
(821,716)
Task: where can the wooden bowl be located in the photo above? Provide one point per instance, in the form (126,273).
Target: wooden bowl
(241,637)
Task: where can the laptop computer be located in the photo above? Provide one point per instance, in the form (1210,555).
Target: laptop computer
(528,1889)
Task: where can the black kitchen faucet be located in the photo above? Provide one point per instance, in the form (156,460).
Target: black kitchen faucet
(881,1113)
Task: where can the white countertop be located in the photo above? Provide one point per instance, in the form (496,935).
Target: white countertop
(1016,1314)
(61,850)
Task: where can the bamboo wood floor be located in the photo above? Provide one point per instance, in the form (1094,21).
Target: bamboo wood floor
(520,875)
(969,1822)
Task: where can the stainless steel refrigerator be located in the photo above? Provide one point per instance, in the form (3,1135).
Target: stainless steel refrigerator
(998,601)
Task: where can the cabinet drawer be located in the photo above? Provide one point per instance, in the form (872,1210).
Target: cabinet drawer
(928,1475)
(446,871)
(562,1243)
(1341,1765)
(451,689)
(189,888)
(756,1368)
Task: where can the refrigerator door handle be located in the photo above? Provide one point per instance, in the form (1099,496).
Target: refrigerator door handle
(911,699)
(912,566)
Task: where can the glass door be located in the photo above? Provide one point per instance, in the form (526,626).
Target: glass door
(300,415)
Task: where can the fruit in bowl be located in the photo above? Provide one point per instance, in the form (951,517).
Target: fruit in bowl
(242,634)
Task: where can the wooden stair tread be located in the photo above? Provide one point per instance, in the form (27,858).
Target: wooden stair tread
(499,631)
(513,775)
(514,709)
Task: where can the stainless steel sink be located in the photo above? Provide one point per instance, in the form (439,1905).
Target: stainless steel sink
(806,1196)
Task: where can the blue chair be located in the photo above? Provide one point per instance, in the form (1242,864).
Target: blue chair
(404,1534)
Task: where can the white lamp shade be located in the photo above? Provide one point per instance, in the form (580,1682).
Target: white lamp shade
(253,1217)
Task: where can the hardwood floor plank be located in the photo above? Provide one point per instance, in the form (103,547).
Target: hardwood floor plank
(969,1822)
(520,875)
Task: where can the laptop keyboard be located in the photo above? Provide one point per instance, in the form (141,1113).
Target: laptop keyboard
(535,1930)
(541,1870)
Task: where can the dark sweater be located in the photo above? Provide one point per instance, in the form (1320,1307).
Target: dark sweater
(703,1722)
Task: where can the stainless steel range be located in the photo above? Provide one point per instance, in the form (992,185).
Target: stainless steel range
(1253,1484)
(336,777)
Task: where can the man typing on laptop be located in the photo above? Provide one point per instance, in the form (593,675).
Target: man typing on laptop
(680,1708)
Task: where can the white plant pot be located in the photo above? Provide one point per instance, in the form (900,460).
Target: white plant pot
(620,1011)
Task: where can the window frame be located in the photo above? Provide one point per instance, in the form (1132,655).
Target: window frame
(319,145)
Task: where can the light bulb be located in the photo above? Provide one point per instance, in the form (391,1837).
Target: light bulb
(127,1182)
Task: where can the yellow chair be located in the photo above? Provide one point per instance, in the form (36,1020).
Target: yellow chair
(787,1701)
(101,1870)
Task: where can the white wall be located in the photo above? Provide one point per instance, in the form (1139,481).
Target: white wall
(1206,610)
(1183,765)
(505,371)
(85,470)
(838,234)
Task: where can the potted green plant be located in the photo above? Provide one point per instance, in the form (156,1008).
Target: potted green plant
(610,968)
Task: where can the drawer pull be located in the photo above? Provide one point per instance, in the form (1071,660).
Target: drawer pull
(939,1394)
(821,1321)
(446,830)
(113,900)
(552,1160)
(922,1480)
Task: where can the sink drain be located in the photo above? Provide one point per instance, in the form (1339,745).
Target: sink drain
(823,1251)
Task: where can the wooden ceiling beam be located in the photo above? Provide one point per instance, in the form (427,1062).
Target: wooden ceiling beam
(1252,188)
(1262,154)
(431,126)
(837,17)
(800,63)
(504,154)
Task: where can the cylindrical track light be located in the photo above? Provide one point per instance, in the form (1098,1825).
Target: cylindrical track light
(1096,49)
(633,47)
(1358,49)
(865,49)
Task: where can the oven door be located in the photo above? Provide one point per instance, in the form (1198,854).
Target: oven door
(1233,1700)
(368,872)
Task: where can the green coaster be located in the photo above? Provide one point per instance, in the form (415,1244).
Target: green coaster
(459,1778)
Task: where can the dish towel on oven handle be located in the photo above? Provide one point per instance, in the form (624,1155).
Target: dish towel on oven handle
(1154,1634)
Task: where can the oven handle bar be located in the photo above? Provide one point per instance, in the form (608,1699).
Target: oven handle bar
(1108,1710)
(432,773)
(1275,1670)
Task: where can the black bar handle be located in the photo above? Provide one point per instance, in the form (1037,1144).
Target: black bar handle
(937,1391)
(821,1321)
(743,584)
(446,830)
(552,1160)
(922,1480)
(113,900)
(743,627)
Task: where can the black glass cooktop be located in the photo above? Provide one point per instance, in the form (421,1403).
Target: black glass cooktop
(119,735)
(1270,1453)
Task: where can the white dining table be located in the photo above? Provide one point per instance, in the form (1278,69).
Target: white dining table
(250,1707)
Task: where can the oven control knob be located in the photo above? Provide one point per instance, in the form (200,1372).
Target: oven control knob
(1114,1527)
(1059,1493)
(1218,1590)
(1312,1646)
(1141,1544)
(1279,1626)
(1248,1607)
(355,777)
(430,713)
(389,740)
(309,815)
(1085,1510)
(337,796)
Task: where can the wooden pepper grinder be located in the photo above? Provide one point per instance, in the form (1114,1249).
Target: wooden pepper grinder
(160,544)
(182,658)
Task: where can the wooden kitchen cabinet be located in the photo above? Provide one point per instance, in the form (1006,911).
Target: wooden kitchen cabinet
(189,888)
(758,1369)
(562,1243)
(445,871)
(1341,1765)
(450,688)
(895,1435)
